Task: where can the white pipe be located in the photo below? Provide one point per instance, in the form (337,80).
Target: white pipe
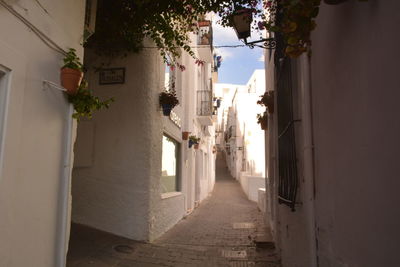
(65,183)
(308,154)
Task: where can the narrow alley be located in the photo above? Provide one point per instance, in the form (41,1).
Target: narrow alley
(225,230)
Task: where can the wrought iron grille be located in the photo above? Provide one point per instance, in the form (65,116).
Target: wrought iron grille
(204,103)
(288,177)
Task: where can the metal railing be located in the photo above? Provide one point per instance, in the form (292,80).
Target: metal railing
(288,177)
(204,103)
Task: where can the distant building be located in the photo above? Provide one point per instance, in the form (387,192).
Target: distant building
(239,135)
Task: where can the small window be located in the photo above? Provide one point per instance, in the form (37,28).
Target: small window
(169,169)
(4,86)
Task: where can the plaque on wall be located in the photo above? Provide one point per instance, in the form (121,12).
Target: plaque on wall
(112,76)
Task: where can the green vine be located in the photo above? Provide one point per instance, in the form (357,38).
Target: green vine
(123,24)
(85,103)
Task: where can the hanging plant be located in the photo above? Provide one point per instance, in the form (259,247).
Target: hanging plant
(262,119)
(71,72)
(267,100)
(294,20)
(85,103)
(193,140)
(168,101)
(122,25)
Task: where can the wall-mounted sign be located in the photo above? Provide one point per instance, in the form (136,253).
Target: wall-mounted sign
(175,119)
(112,76)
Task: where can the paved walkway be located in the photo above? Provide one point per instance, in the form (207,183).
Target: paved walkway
(225,230)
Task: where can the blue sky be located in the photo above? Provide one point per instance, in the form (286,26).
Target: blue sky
(238,63)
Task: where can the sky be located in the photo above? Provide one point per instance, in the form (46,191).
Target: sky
(238,63)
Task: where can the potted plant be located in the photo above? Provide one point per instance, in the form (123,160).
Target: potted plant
(85,103)
(219,102)
(267,100)
(263,120)
(168,101)
(185,135)
(193,140)
(71,72)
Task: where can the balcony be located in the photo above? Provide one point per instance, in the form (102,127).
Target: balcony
(205,40)
(205,107)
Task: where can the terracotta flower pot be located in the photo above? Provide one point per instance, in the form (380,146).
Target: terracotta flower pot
(185,135)
(71,79)
(196,146)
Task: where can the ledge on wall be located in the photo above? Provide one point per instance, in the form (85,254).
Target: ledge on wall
(170,194)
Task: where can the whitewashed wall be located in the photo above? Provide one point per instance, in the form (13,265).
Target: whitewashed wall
(35,130)
(116,182)
(354,106)
(112,193)
(355,92)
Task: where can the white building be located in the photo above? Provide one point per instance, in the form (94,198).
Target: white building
(36,129)
(334,141)
(117,179)
(240,135)
(134,175)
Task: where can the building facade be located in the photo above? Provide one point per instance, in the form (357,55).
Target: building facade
(127,171)
(134,174)
(36,129)
(333,142)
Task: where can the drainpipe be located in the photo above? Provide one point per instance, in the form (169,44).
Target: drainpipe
(308,153)
(62,234)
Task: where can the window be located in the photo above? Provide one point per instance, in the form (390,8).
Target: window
(169,169)
(3,104)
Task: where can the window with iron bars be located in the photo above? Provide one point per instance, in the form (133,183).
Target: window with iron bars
(288,176)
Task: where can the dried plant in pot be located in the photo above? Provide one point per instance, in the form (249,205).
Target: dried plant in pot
(267,100)
(71,72)
(263,120)
(168,101)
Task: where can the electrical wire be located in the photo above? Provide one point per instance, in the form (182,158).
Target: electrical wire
(214,46)
(50,43)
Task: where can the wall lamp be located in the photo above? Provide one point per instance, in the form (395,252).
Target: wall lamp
(241,22)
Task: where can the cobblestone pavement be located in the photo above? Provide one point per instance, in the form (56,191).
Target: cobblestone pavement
(225,230)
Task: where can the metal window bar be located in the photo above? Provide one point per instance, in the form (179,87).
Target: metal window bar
(288,177)
(204,103)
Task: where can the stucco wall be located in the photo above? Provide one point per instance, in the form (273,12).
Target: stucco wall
(251,184)
(355,91)
(35,130)
(113,193)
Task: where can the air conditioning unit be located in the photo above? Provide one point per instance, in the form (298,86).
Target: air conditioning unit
(90,19)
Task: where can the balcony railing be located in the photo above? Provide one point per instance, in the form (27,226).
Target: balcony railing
(204,103)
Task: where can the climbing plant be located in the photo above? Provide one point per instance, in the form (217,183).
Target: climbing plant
(123,24)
